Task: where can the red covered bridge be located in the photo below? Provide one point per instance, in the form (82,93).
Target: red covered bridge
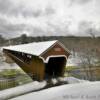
(40,60)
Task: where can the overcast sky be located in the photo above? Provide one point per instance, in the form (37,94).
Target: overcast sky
(49,17)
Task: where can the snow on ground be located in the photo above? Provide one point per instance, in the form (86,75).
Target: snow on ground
(13,92)
(5,94)
(71,80)
(30,87)
(79,91)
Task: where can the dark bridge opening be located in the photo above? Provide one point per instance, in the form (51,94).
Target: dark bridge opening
(55,67)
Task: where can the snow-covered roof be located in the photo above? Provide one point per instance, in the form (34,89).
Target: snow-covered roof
(35,48)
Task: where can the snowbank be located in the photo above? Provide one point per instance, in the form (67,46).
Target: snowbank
(13,92)
(72,80)
(80,91)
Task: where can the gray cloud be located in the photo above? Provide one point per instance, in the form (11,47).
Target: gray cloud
(36,20)
(87,28)
(9,9)
(80,2)
(49,10)
(10,30)
(38,13)
(5,6)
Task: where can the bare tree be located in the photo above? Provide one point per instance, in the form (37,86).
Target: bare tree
(88,61)
(91,31)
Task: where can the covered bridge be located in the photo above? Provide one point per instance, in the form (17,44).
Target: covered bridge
(40,60)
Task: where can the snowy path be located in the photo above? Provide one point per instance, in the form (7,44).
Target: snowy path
(79,91)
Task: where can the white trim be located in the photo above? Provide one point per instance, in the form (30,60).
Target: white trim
(42,59)
(54,45)
(54,56)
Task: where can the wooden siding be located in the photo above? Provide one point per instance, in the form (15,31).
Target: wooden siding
(56,50)
(35,68)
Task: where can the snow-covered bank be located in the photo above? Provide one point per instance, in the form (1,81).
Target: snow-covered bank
(13,92)
(67,80)
(80,91)
(71,80)
(30,87)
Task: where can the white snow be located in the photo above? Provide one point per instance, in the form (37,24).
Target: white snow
(5,94)
(54,81)
(13,92)
(71,80)
(35,48)
(79,91)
